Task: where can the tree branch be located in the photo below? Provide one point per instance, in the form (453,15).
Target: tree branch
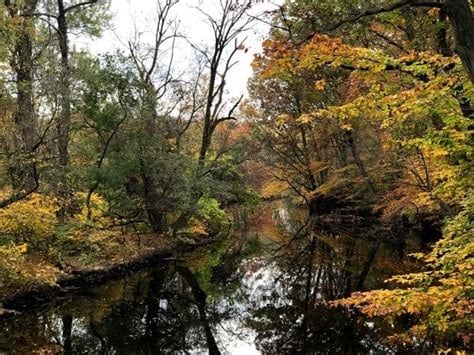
(231,112)
(75,6)
(389,8)
(22,194)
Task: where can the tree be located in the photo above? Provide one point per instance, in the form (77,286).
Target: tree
(66,17)
(107,102)
(459,13)
(155,124)
(227,27)
(314,157)
(24,171)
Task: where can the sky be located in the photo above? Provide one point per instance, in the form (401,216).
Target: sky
(129,16)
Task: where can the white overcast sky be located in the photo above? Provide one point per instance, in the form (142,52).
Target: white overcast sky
(129,15)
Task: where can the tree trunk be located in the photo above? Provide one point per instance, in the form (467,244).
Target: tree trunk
(200,298)
(461,19)
(374,247)
(443,47)
(67,334)
(24,173)
(207,127)
(65,88)
(64,121)
(151,199)
(358,161)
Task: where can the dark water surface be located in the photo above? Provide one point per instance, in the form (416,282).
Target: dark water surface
(230,300)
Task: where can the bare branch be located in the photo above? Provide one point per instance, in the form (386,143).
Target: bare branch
(75,6)
(231,111)
(23,194)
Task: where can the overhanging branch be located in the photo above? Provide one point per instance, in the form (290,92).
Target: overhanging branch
(388,8)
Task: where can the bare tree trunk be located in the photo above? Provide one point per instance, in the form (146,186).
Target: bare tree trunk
(443,47)
(64,121)
(226,30)
(152,93)
(307,160)
(206,130)
(358,161)
(461,20)
(67,334)
(151,198)
(374,247)
(200,298)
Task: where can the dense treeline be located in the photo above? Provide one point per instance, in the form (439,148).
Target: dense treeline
(355,109)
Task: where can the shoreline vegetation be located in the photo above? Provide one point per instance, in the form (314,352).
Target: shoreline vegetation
(48,257)
(74,279)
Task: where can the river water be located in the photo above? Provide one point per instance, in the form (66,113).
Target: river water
(267,295)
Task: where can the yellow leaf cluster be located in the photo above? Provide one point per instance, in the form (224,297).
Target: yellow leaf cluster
(34,216)
(18,270)
(195,228)
(98,209)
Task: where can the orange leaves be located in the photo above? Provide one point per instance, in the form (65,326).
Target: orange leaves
(278,53)
(273,188)
(276,48)
(325,45)
(440,297)
(412,102)
(433,11)
(382,303)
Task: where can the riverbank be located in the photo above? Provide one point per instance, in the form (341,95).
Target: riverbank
(71,275)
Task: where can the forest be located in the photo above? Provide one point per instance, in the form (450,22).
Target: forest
(343,173)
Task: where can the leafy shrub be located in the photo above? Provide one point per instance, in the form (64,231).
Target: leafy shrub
(31,219)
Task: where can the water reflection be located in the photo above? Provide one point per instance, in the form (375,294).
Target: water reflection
(272,303)
(290,316)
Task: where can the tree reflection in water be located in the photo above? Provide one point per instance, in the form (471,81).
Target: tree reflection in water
(312,268)
(150,312)
(273,301)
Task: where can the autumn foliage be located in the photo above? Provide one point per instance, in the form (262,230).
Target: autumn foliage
(411,107)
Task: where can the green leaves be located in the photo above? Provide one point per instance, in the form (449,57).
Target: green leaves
(210,211)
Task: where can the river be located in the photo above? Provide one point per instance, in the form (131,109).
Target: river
(268,295)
